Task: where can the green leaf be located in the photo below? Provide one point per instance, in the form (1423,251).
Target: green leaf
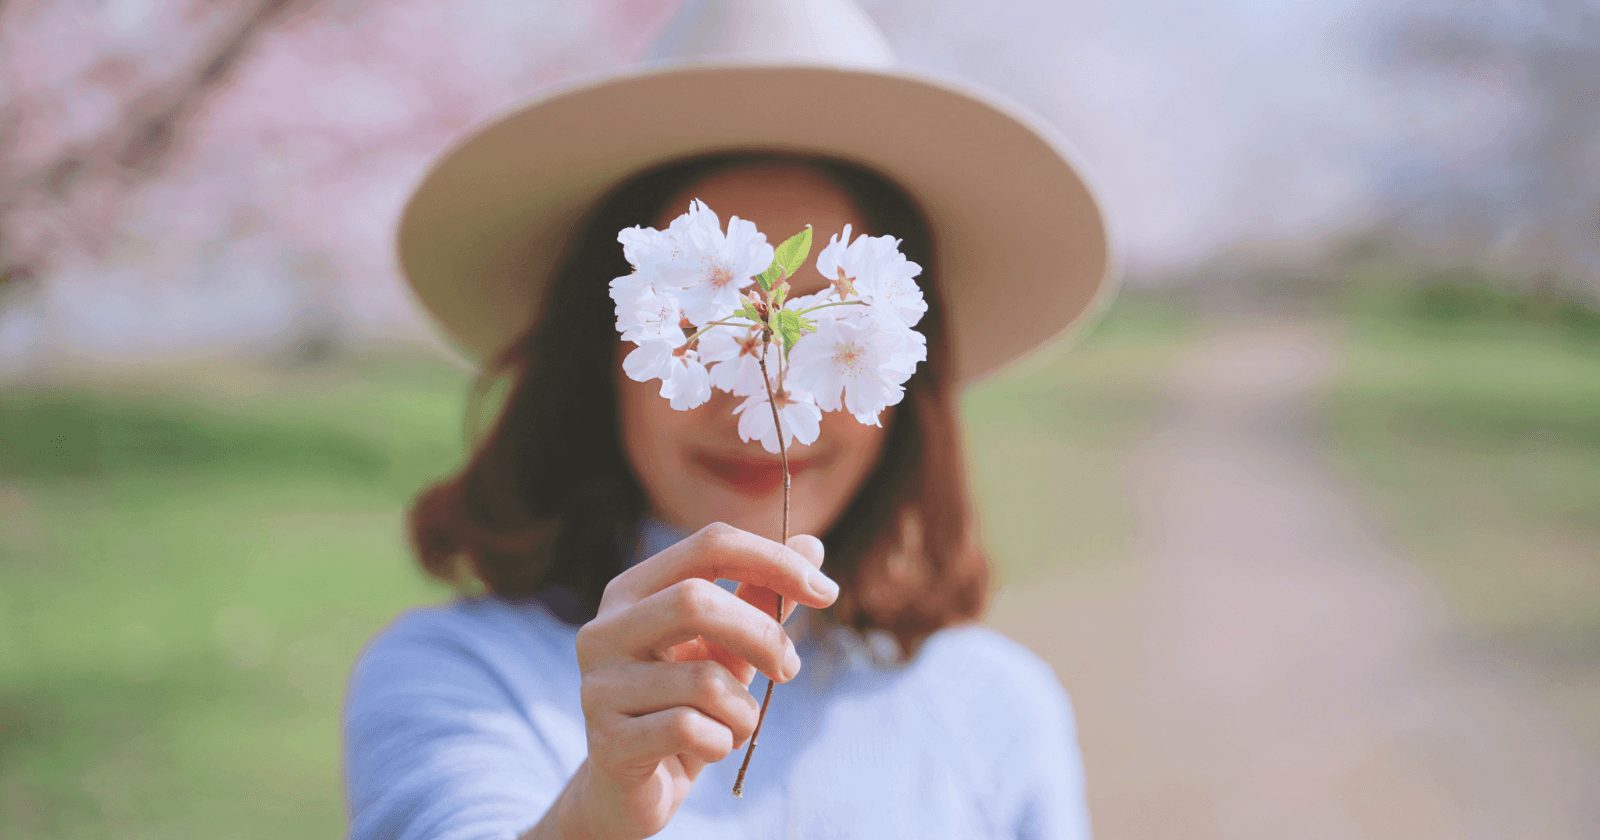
(787,259)
(789,326)
(791,255)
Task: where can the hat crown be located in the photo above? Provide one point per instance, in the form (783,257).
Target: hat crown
(823,32)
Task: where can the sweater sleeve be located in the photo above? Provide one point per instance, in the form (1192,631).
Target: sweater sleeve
(435,745)
(1054,804)
(1015,720)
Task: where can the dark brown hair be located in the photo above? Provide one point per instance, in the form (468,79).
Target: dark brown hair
(548,498)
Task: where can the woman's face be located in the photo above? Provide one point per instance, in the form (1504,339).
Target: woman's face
(692,464)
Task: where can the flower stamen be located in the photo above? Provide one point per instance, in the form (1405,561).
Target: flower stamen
(848,356)
(843,284)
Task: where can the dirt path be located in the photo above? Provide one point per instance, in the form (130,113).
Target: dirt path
(1271,668)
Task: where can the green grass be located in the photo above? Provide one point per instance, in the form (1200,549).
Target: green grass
(187,570)
(1477,431)
(1049,446)
(191,559)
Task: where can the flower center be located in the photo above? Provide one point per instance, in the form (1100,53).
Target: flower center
(848,356)
(721,276)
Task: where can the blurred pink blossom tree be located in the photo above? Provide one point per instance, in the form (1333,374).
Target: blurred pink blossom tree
(173,171)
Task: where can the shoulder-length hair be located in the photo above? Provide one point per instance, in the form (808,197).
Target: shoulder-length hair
(547,496)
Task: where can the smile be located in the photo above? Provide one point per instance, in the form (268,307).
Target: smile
(750,476)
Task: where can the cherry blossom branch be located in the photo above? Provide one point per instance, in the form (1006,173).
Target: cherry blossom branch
(841,359)
(710,324)
(783,454)
(810,309)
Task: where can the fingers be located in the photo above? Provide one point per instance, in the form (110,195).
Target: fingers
(723,551)
(635,745)
(642,708)
(640,688)
(765,599)
(691,608)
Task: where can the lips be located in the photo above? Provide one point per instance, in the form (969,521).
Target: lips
(754,477)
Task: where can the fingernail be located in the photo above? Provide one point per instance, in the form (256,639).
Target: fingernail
(791,663)
(823,585)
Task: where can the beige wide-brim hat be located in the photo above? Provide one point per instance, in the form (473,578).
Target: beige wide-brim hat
(1023,253)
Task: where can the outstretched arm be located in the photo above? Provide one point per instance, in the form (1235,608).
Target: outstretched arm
(436,747)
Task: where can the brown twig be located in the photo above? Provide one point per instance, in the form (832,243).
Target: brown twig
(783,454)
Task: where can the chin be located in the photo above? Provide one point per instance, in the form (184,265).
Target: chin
(758,514)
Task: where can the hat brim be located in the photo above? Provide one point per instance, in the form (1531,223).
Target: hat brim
(1023,254)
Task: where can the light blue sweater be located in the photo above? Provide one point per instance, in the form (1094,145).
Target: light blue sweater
(462,722)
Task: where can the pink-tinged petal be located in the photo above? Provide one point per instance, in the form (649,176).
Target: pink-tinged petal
(868,420)
(870,394)
(802,421)
(718,344)
(828,259)
(740,376)
(655,316)
(755,422)
(701,215)
(811,370)
(749,253)
(647,361)
(643,246)
(687,384)
(627,292)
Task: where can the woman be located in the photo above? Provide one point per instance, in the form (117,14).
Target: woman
(595,681)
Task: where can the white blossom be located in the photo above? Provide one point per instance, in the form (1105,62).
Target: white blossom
(653,255)
(853,352)
(714,266)
(906,347)
(802,419)
(663,254)
(628,291)
(872,269)
(858,362)
(734,357)
(651,316)
(684,380)
(646,246)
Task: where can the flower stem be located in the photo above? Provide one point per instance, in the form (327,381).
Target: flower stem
(710,324)
(833,303)
(783,454)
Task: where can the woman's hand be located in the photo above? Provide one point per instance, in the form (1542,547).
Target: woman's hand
(667,663)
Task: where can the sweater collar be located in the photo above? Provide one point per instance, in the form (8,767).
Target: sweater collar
(655,536)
